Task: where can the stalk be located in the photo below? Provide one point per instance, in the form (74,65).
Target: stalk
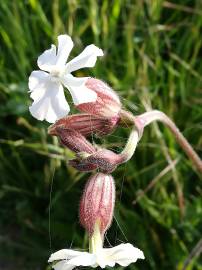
(147,118)
(130,146)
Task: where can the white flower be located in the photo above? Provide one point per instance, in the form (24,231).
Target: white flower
(46,85)
(124,254)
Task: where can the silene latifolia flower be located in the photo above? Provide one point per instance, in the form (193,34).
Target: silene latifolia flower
(96,213)
(46,85)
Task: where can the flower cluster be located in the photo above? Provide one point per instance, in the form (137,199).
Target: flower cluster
(100,112)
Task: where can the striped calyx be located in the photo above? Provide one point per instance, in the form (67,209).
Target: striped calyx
(97,203)
(86,124)
(107,103)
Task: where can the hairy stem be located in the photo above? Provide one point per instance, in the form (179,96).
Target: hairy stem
(130,146)
(149,117)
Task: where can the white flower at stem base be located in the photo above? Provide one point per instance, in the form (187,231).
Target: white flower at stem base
(123,254)
(46,85)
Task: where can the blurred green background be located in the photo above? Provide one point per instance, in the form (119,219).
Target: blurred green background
(153,52)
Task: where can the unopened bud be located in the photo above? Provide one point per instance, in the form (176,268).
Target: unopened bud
(86,124)
(107,104)
(74,140)
(97,203)
(104,160)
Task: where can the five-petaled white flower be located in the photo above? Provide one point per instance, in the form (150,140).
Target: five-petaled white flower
(123,254)
(46,85)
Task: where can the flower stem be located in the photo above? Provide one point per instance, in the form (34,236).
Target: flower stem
(130,146)
(149,117)
(95,241)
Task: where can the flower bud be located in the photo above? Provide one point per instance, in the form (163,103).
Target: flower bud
(74,140)
(104,160)
(107,104)
(97,203)
(86,124)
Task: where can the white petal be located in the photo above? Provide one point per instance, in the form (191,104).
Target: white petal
(63,265)
(50,103)
(79,92)
(65,45)
(85,259)
(70,80)
(64,254)
(82,95)
(37,79)
(47,59)
(123,254)
(87,58)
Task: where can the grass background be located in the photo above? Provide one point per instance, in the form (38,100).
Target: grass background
(152,59)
